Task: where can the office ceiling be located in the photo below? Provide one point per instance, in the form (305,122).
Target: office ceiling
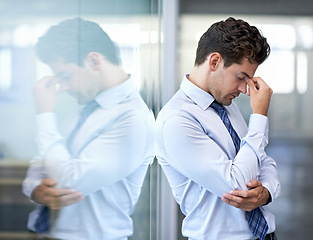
(20,8)
(264,7)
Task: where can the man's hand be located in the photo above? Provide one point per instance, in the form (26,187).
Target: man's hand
(45,94)
(54,198)
(248,200)
(260,95)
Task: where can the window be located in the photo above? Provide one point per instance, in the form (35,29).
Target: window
(5,69)
(286,69)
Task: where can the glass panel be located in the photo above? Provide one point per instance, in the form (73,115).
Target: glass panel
(112,169)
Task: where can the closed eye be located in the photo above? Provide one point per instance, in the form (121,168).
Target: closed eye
(241,78)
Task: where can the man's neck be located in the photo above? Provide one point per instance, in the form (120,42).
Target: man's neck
(199,78)
(113,77)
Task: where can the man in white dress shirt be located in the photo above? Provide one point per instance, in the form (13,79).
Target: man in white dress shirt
(91,176)
(215,184)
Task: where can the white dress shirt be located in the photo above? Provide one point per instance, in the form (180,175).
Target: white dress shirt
(106,162)
(199,160)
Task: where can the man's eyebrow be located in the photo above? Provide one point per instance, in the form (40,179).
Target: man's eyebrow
(246,74)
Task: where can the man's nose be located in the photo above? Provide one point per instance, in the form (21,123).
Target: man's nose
(243,87)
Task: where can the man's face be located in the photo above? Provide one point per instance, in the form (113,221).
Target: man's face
(76,80)
(229,82)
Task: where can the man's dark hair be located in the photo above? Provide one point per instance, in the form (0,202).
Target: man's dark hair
(234,40)
(72,40)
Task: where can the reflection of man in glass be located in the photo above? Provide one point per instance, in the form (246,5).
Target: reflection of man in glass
(90,179)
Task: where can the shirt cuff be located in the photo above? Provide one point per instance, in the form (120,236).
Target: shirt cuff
(46,122)
(36,184)
(270,192)
(29,186)
(258,123)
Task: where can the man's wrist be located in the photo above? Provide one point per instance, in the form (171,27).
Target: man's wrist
(268,198)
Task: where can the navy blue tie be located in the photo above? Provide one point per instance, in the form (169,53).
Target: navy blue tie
(42,221)
(87,110)
(256,220)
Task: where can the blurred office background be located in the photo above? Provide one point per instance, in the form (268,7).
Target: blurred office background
(158,39)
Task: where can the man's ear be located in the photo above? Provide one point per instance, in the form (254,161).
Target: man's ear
(93,60)
(214,60)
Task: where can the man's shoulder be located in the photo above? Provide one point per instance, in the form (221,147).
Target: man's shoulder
(180,108)
(176,105)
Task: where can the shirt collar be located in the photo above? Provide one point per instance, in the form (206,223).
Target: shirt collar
(196,94)
(113,96)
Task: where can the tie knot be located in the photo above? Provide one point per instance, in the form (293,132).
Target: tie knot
(89,108)
(217,106)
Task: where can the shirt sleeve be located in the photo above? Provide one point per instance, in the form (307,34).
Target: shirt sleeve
(112,154)
(196,154)
(34,176)
(268,171)
(269,177)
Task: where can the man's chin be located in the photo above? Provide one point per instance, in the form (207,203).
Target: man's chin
(226,102)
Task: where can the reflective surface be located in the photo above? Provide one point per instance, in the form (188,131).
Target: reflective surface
(134,27)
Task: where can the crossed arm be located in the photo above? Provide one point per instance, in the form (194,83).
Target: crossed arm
(248,200)
(54,198)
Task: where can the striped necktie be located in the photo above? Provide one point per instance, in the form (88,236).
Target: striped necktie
(85,113)
(256,220)
(42,221)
